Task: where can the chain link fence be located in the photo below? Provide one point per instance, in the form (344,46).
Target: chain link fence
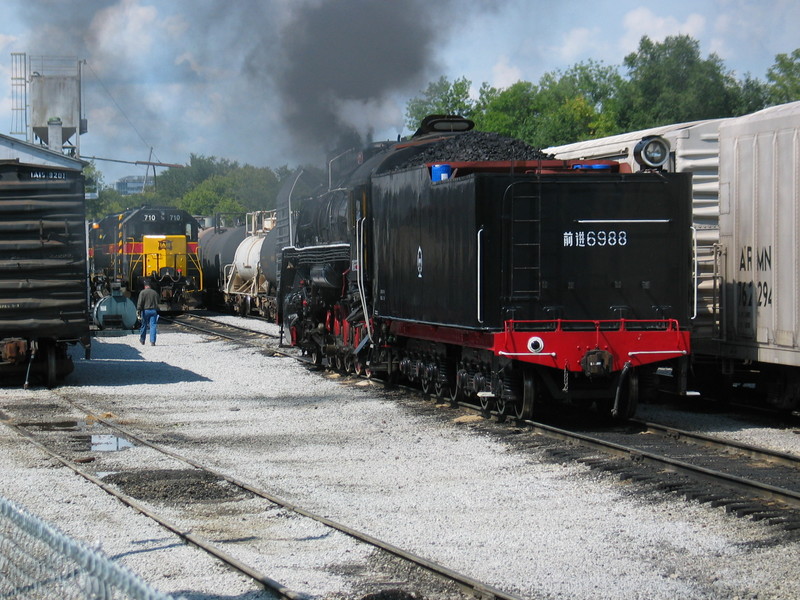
(39,562)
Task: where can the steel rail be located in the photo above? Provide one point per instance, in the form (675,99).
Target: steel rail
(765,454)
(177,320)
(266,347)
(474,586)
(274,586)
(762,490)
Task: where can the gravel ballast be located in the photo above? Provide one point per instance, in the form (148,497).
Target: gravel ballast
(425,480)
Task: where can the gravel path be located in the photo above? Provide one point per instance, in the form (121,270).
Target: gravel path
(425,480)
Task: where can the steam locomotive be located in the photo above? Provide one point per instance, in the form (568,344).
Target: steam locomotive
(482,269)
(147,244)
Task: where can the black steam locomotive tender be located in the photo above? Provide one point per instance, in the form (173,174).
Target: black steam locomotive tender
(516,282)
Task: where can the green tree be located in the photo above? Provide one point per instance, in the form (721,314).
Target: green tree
(564,107)
(669,82)
(253,187)
(784,78)
(93,178)
(176,182)
(753,94)
(580,103)
(203,198)
(440,98)
(511,111)
(108,202)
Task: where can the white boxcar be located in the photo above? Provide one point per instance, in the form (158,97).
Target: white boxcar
(760,248)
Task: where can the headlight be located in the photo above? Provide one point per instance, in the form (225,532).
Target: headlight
(652,152)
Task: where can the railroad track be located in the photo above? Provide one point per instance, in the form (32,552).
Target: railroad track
(746,480)
(451,583)
(208,325)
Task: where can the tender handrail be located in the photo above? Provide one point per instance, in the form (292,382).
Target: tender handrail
(695,266)
(480,269)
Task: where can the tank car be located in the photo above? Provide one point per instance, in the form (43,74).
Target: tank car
(43,287)
(239,266)
(514,281)
(743,329)
(155,244)
(216,249)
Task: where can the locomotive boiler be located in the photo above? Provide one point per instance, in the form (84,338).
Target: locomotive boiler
(147,244)
(481,268)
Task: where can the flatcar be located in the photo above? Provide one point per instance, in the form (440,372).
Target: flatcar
(43,285)
(483,269)
(147,244)
(746,189)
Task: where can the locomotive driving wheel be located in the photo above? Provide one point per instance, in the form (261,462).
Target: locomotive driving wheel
(426,384)
(315,357)
(349,364)
(429,377)
(359,368)
(503,407)
(523,408)
(456,389)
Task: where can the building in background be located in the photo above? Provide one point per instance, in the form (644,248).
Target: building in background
(133,184)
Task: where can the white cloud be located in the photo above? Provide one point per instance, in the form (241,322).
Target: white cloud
(505,74)
(577,42)
(105,123)
(642,21)
(7,40)
(122,34)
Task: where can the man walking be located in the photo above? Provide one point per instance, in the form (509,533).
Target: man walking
(147,306)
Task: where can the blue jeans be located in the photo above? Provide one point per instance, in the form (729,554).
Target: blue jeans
(149,319)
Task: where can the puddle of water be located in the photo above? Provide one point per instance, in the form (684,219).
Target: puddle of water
(55,425)
(109,443)
(100,442)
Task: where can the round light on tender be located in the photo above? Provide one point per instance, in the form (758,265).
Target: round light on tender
(535,344)
(651,152)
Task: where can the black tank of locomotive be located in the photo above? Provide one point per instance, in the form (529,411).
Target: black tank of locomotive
(482,248)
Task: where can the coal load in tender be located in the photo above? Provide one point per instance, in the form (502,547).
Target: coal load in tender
(476,146)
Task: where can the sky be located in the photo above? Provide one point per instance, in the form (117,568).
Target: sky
(281,82)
